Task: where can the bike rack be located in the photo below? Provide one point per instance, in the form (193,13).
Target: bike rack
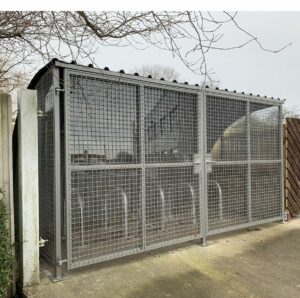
(125,207)
(220,198)
(163,208)
(163,205)
(81,206)
(193,202)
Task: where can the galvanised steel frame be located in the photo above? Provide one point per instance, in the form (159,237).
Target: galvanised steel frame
(216,197)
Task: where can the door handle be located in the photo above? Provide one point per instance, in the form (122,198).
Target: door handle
(211,162)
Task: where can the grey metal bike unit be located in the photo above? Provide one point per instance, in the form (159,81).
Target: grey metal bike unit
(146,163)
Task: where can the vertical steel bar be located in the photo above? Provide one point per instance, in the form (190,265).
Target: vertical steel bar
(282,164)
(57,177)
(202,172)
(248,131)
(67,173)
(142,154)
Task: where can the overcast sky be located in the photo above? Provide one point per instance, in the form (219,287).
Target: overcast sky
(248,69)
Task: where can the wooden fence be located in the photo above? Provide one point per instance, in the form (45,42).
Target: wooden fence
(292,165)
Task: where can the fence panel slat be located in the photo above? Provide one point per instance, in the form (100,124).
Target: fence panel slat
(292,165)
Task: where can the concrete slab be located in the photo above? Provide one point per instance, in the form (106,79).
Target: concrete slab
(261,262)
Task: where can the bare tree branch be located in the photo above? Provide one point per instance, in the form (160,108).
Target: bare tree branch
(30,37)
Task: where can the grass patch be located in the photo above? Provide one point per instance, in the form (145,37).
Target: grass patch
(6,259)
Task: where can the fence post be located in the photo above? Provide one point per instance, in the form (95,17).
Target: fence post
(6,182)
(28,187)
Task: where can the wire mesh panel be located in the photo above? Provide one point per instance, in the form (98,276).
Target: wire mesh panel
(266,177)
(226,128)
(266,199)
(103,121)
(265,143)
(226,135)
(172,204)
(227,196)
(243,162)
(45,95)
(170,125)
(105,213)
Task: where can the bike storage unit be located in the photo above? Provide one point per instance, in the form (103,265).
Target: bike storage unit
(128,163)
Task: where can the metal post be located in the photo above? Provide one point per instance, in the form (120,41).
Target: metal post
(67,170)
(282,164)
(142,153)
(57,177)
(202,172)
(248,131)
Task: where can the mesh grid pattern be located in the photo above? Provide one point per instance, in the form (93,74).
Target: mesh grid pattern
(45,95)
(226,128)
(106,212)
(172,204)
(104,121)
(245,189)
(264,131)
(227,196)
(266,192)
(170,125)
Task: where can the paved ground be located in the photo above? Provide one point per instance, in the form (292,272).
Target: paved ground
(263,262)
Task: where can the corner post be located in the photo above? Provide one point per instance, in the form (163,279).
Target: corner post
(28,187)
(203,172)
(57,176)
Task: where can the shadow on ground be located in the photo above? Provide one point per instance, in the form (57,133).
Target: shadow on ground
(256,263)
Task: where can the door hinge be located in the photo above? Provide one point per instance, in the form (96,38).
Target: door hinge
(61,262)
(57,90)
(42,242)
(40,113)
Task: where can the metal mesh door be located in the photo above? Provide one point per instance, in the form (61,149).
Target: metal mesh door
(103,170)
(172,185)
(131,183)
(243,162)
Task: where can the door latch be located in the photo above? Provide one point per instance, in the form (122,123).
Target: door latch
(209,162)
(197,162)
